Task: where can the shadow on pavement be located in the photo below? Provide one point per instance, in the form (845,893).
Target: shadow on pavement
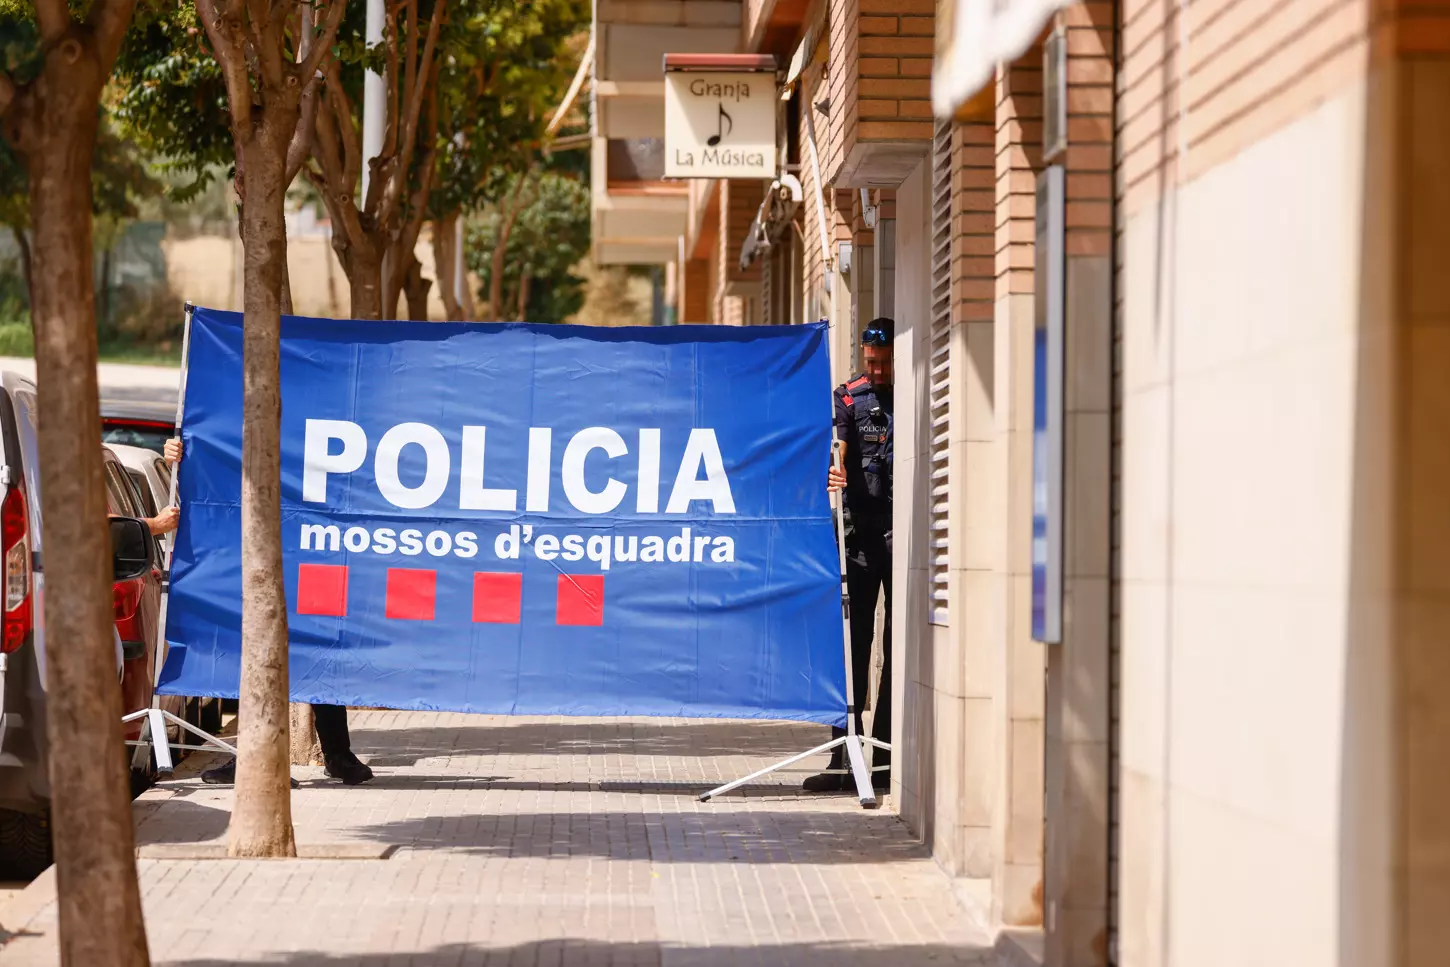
(734,836)
(179,821)
(787,789)
(405,747)
(567,952)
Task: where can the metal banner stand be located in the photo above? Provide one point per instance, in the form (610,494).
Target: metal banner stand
(855,754)
(156,717)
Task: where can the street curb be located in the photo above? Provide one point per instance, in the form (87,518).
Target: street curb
(305,851)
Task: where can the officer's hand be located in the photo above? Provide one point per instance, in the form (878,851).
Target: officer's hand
(165,522)
(173,450)
(836,480)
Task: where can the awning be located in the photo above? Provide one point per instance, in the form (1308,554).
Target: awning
(978,35)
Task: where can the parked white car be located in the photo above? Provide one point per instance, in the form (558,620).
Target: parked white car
(152,477)
(25,847)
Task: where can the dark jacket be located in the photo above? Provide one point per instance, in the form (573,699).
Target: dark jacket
(864,422)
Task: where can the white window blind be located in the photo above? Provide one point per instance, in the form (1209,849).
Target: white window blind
(939,425)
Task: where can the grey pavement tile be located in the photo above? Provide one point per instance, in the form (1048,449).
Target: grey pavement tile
(542,841)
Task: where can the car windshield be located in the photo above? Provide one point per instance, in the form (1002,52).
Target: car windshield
(152,438)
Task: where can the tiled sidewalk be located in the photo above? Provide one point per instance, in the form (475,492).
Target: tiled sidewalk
(569,842)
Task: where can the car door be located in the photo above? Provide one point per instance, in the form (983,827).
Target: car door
(138,602)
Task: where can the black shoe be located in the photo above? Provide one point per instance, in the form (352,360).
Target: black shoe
(825,782)
(348,768)
(223,775)
(226,775)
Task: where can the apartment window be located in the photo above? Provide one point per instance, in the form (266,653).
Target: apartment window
(939,424)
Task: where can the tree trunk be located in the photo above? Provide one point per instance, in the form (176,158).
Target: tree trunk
(365,282)
(306,750)
(415,290)
(525,279)
(470,309)
(515,205)
(91,824)
(261,822)
(445,253)
(285,291)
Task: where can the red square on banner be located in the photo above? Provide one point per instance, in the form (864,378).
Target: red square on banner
(322,589)
(412,593)
(497,598)
(581,600)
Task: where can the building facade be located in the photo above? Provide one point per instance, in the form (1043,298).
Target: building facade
(1234,217)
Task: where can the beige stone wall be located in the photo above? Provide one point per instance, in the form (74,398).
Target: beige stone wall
(1019,661)
(1286,538)
(207,271)
(925,723)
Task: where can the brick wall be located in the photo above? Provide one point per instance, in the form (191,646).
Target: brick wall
(974,236)
(1250,68)
(879,87)
(1089,159)
(695,292)
(1019,159)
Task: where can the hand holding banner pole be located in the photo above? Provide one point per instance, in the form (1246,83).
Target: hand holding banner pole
(154,731)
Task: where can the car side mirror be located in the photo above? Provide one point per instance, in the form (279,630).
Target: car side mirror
(132,548)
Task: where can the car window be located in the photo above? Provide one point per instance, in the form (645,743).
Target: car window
(143,491)
(27,425)
(136,436)
(119,498)
(164,472)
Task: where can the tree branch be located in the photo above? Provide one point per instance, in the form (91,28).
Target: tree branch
(266,42)
(8,90)
(333,185)
(322,45)
(53,18)
(415,110)
(301,145)
(349,139)
(109,20)
(410,61)
(390,83)
(227,48)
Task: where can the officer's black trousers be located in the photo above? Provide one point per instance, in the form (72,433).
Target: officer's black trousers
(332,735)
(868,575)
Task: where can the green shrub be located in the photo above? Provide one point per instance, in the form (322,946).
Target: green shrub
(16,339)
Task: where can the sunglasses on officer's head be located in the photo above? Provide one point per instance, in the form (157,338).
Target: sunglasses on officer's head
(875,337)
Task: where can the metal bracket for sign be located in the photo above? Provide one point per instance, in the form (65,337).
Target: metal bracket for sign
(155,718)
(855,751)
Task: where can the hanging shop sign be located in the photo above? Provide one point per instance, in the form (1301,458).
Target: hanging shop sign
(720,116)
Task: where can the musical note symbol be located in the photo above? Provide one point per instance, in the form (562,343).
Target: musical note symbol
(720,121)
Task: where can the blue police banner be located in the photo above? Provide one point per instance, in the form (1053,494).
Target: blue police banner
(525,519)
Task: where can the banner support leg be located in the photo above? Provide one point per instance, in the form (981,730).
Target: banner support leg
(854,744)
(153,729)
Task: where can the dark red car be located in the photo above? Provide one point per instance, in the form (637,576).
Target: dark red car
(137,603)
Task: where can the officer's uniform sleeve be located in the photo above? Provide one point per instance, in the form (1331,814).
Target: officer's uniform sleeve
(845,426)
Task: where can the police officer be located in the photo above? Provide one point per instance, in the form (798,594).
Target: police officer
(331,721)
(864,427)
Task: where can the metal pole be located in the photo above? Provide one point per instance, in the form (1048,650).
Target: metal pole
(374,97)
(155,718)
(154,730)
(170,544)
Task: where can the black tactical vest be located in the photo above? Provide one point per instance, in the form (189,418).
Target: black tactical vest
(864,421)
